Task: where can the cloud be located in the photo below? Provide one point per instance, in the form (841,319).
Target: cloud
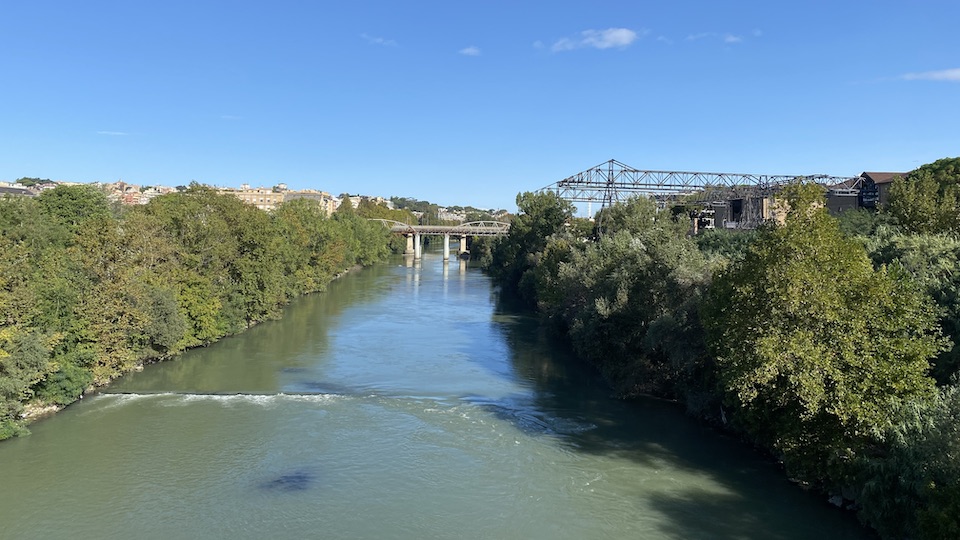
(952,75)
(113,133)
(726,38)
(470,51)
(378,40)
(598,39)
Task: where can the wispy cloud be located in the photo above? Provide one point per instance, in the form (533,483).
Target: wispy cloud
(952,75)
(470,51)
(598,39)
(373,40)
(730,39)
(113,133)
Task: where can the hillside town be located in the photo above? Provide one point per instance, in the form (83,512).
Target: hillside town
(264,198)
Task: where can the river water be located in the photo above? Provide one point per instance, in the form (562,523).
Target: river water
(405,402)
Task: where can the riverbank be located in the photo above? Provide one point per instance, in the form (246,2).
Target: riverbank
(818,368)
(35,411)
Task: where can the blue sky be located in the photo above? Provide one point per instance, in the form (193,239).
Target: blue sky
(470,103)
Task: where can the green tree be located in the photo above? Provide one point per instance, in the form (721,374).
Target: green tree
(540,216)
(724,244)
(928,199)
(634,215)
(23,362)
(72,205)
(911,485)
(629,304)
(863,222)
(813,346)
(933,260)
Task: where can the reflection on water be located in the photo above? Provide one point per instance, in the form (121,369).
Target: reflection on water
(408,401)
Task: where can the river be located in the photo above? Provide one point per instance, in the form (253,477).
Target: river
(404,402)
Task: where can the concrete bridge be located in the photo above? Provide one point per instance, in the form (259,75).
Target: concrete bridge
(415,233)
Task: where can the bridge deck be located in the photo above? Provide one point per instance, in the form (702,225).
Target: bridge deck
(476,228)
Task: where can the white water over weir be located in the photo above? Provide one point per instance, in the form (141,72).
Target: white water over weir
(405,402)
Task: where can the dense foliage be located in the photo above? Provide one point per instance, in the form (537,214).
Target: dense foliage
(86,296)
(815,339)
(928,199)
(813,345)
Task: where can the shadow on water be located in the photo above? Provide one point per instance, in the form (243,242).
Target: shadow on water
(571,402)
(293,481)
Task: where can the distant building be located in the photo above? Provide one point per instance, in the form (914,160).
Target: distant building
(875,187)
(123,193)
(11,191)
(269,199)
(382,202)
(447,215)
(327,201)
(261,197)
(148,193)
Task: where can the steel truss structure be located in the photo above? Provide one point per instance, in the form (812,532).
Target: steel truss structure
(612,182)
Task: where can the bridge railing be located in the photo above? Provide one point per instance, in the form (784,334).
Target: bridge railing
(473,228)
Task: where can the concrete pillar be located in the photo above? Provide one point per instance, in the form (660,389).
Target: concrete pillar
(446,247)
(463,245)
(417,247)
(409,248)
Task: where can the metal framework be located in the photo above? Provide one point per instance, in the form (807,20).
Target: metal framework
(612,182)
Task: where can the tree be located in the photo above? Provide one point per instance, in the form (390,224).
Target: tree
(629,304)
(911,486)
(634,215)
(928,199)
(813,346)
(540,216)
(71,205)
(23,362)
(933,261)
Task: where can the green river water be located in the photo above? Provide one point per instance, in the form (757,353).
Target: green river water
(405,402)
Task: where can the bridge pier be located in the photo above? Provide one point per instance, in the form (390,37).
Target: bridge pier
(446,247)
(463,245)
(417,247)
(409,248)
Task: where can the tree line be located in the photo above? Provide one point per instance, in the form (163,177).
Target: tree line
(827,341)
(89,291)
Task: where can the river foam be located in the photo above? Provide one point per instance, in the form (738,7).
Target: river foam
(177,399)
